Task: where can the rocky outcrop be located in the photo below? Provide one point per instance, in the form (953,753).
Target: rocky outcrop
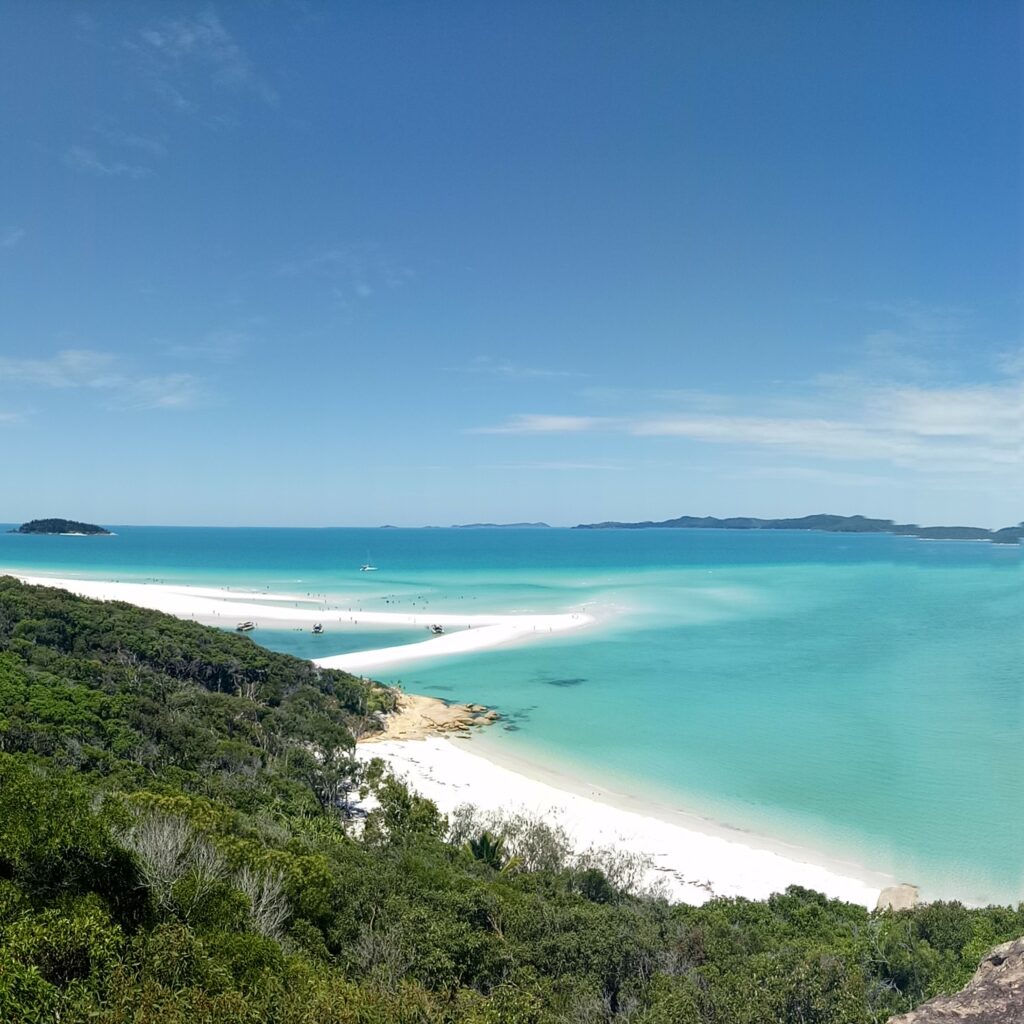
(415,717)
(995,995)
(897,897)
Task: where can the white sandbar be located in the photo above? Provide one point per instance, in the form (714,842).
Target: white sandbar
(219,606)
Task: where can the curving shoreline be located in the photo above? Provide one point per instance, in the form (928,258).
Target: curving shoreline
(694,858)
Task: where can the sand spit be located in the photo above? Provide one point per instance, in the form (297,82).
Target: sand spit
(217,606)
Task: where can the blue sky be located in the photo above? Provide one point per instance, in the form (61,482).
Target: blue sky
(423,263)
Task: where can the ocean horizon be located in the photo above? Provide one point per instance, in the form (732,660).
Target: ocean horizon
(856,695)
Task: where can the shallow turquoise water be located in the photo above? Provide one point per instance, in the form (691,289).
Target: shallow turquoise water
(862,695)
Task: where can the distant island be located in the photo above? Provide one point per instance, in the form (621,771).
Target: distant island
(500,526)
(826,524)
(64,526)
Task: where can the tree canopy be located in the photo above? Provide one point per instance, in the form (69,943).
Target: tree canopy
(178,844)
(61,526)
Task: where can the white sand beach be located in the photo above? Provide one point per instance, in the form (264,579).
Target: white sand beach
(696,859)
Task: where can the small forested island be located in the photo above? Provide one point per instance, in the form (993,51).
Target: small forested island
(63,526)
(183,838)
(501,526)
(823,523)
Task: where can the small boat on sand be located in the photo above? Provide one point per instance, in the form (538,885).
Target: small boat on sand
(318,628)
(246,627)
(436,629)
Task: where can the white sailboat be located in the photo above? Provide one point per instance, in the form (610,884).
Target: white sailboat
(368,565)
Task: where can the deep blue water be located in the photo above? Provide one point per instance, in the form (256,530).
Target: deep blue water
(861,694)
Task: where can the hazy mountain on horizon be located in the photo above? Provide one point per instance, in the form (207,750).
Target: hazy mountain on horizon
(824,523)
(500,526)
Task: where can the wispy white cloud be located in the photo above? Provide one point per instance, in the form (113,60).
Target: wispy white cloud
(925,321)
(1011,362)
(86,160)
(170,391)
(813,475)
(560,466)
(11,236)
(954,429)
(171,95)
(488,365)
(120,154)
(994,412)
(543,423)
(175,49)
(907,400)
(912,341)
(103,372)
(71,368)
(351,271)
(215,347)
(144,144)
(970,428)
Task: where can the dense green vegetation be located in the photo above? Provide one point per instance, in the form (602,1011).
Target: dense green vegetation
(177,845)
(61,526)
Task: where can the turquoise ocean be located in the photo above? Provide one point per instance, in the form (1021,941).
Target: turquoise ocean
(862,695)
